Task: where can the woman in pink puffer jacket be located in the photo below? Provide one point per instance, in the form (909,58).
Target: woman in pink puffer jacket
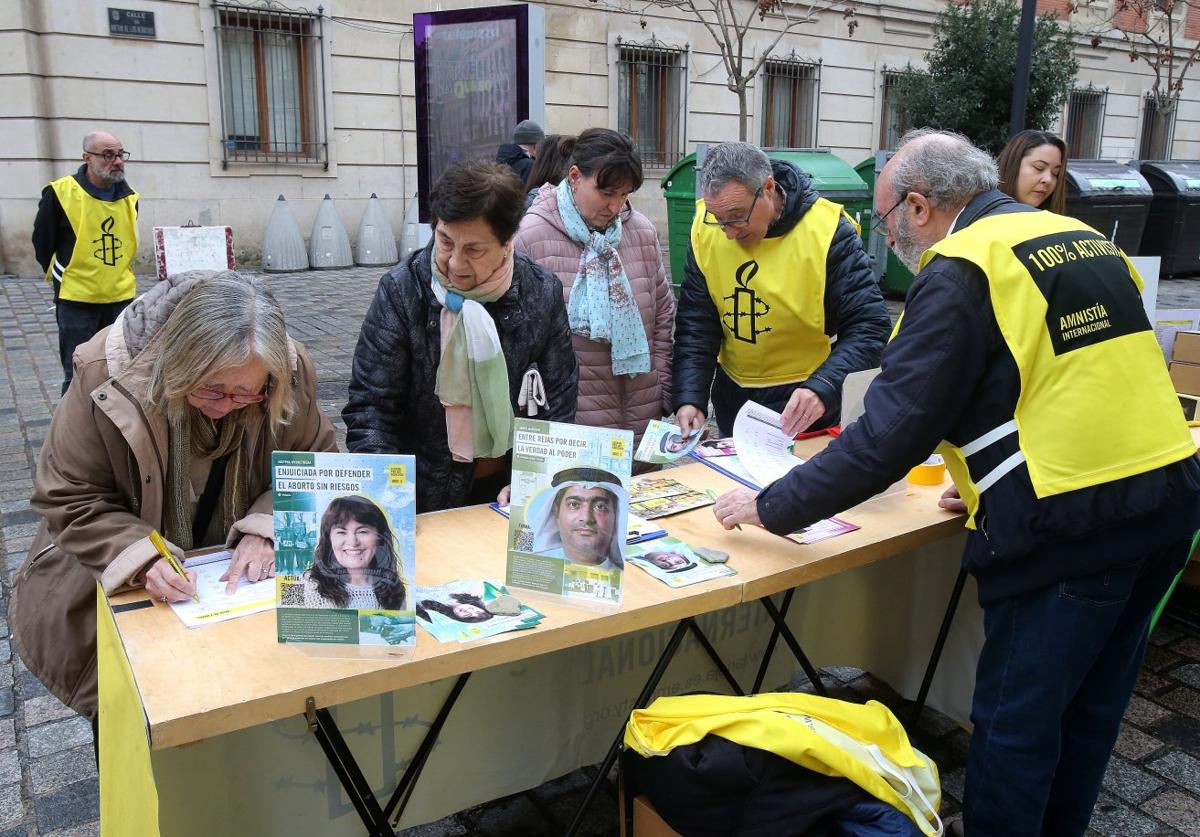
(622,313)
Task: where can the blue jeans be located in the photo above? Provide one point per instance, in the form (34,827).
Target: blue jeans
(1057,668)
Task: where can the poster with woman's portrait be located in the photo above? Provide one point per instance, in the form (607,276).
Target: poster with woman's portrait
(345,557)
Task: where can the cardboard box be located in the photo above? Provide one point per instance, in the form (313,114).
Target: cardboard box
(647,822)
(1187,347)
(1185,377)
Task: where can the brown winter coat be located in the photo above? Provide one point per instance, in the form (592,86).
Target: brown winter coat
(606,400)
(100,489)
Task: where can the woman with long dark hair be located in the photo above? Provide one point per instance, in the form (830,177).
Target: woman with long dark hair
(1033,170)
(354,566)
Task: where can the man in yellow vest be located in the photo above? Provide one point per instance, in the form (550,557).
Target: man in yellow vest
(1025,357)
(774,272)
(85,238)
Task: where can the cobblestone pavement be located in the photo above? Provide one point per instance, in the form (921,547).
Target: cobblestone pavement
(47,773)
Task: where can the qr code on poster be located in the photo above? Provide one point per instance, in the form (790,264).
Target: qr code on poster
(523,542)
(291,592)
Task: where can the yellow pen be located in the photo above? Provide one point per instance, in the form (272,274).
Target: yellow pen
(713,494)
(161,546)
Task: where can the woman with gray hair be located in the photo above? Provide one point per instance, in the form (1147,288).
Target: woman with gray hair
(169,424)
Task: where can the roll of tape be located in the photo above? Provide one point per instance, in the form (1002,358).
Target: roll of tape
(930,472)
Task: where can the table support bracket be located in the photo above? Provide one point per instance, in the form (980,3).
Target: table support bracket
(337,753)
(782,630)
(935,656)
(402,794)
(660,668)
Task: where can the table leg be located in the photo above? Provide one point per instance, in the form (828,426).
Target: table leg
(766,660)
(712,654)
(408,781)
(794,646)
(936,655)
(660,668)
(321,725)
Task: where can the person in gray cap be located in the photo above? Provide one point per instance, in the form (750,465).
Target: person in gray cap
(518,154)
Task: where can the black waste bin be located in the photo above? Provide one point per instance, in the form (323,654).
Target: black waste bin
(1173,225)
(1112,198)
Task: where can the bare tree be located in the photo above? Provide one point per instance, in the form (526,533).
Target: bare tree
(1153,32)
(728,22)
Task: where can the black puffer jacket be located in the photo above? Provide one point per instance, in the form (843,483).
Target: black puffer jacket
(854,308)
(516,158)
(950,375)
(392,406)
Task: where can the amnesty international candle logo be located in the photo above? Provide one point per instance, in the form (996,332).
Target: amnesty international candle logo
(1090,296)
(747,307)
(110,246)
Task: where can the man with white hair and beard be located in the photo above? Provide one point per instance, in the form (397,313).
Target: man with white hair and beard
(1025,357)
(85,238)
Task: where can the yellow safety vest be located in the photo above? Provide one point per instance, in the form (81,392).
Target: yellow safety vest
(771,297)
(106,241)
(863,743)
(1096,404)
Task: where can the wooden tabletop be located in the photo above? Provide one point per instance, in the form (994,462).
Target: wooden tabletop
(199,683)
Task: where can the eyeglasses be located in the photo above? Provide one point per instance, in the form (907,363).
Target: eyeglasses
(712,221)
(877,224)
(109,156)
(210,394)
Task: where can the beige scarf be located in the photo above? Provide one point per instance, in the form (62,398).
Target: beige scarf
(196,435)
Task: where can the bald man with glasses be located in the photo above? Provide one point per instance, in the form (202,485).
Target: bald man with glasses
(778,302)
(85,237)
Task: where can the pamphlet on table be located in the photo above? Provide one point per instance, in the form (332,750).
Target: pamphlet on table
(211,604)
(460,611)
(728,462)
(664,442)
(674,563)
(570,504)
(652,497)
(345,548)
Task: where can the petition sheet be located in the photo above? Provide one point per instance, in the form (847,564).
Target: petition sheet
(214,606)
(763,449)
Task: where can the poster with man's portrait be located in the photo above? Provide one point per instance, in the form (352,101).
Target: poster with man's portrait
(569,510)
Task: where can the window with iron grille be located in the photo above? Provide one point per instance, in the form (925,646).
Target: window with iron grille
(1085,122)
(272,70)
(791,97)
(894,120)
(1157,134)
(650,80)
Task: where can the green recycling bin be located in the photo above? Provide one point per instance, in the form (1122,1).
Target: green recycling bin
(893,277)
(831,176)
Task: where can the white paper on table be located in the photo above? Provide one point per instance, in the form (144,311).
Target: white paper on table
(763,448)
(214,606)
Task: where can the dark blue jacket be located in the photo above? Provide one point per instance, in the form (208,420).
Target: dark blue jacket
(854,309)
(950,375)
